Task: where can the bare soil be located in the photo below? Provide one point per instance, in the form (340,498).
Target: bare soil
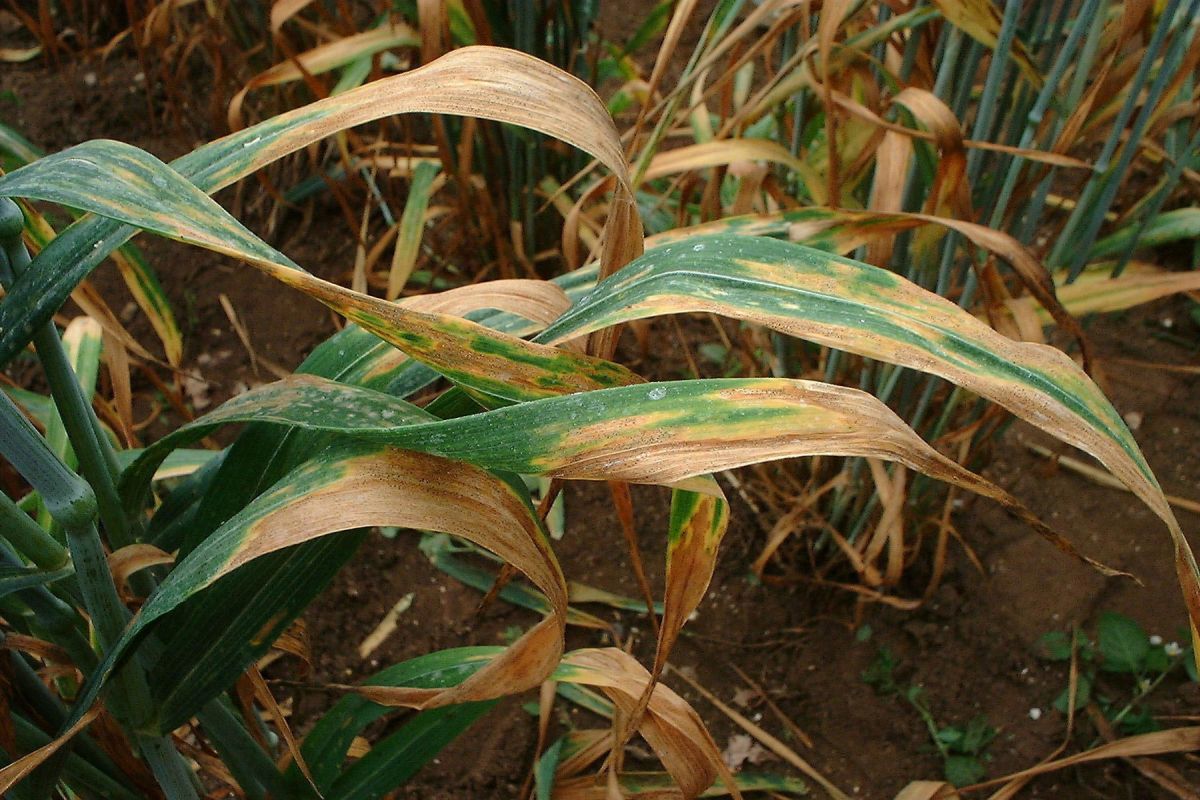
(970,647)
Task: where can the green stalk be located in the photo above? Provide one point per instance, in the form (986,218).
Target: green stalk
(949,46)
(55,619)
(28,538)
(1042,35)
(912,48)
(50,709)
(1087,57)
(1034,119)
(864,516)
(83,355)
(1082,67)
(1068,239)
(986,127)
(253,769)
(109,615)
(95,460)
(995,76)
(947,70)
(962,98)
(68,498)
(1156,204)
(1111,181)
(884,14)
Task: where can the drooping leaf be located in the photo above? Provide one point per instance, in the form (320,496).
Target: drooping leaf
(81,343)
(1095,291)
(156,198)
(872,312)
(656,433)
(669,434)
(209,640)
(359,484)
(842,231)
(498,84)
(666,433)
(140,278)
(670,726)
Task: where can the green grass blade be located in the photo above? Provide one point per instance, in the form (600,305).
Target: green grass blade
(14,579)
(704,426)
(1179,225)
(326,746)
(82,343)
(543,771)
(395,759)
(412,225)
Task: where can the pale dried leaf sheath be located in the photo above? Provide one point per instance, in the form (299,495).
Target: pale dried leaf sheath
(283,10)
(671,726)
(719,153)
(1095,291)
(842,231)
(324,58)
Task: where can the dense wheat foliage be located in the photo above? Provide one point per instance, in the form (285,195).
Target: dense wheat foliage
(886,209)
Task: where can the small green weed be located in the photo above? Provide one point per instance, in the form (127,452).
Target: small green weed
(1136,662)
(962,747)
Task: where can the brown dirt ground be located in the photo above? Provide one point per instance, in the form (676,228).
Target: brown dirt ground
(970,647)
